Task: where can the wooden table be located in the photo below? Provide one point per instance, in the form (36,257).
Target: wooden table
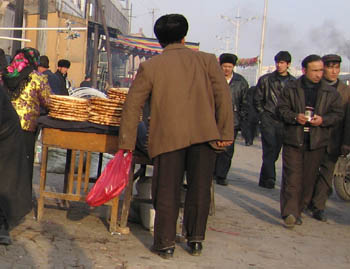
(82,143)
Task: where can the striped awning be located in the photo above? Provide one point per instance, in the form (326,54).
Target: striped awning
(142,46)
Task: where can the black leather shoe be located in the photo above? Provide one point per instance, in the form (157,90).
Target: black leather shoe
(267,183)
(319,215)
(166,253)
(221,181)
(195,248)
(5,238)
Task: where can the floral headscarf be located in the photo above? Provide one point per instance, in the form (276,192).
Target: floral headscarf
(24,58)
(16,74)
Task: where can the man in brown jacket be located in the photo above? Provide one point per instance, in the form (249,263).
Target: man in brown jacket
(339,144)
(190,109)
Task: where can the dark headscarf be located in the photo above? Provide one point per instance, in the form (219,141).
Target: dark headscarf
(16,75)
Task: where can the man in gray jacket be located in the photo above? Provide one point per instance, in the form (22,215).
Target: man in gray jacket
(309,107)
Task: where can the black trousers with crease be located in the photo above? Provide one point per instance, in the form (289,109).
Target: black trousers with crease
(198,161)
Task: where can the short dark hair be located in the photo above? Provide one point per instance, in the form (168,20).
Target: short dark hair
(171,28)
(63,63)
(309,59)
(283,55)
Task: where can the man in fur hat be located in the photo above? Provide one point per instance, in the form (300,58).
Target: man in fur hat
(238,87)
(190,115)
(267,92)
(62,69)
(340,142)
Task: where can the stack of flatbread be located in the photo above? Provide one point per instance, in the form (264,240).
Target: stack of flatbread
(118,94)
(68,108)
(105,111)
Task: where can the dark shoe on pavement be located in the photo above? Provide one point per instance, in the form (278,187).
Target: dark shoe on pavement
(289,221)
(319,215)
(268,183)
(5,238)
(166,253)
(195,248)
(221,181)
(298,221)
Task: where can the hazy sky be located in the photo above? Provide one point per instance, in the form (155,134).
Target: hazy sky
(299,26)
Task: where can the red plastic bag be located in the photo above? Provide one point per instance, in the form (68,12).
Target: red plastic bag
(113,179)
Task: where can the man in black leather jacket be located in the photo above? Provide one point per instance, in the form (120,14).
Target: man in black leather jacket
(268,90)
(238,87)
(309,107)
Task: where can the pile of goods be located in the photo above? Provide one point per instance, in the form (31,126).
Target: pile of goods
(68,108)
(105,111)
(118,94)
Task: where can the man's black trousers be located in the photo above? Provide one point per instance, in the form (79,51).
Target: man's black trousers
(271,139)
(198,161)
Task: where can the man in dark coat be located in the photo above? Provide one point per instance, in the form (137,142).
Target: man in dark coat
(238,88)
(64,84)
(309,107)
(267,92)
(339,144)
(190,113)
(54,81)
(250,120)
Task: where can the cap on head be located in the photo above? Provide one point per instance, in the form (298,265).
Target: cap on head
(331,58)
(171,28)
(309,59)
(228,58)
(283,56)
(63,63)
(44,61)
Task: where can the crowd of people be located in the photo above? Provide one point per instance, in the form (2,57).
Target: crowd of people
(192,115)
(197,105)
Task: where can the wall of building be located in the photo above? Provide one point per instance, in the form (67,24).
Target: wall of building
(7,17)
(59,47)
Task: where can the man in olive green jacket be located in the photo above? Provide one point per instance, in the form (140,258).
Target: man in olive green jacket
(190,108)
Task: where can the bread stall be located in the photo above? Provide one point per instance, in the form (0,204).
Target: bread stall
(81,126)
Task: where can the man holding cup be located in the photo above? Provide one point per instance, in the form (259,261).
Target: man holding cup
(308,107)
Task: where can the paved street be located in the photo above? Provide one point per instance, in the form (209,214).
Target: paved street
(246,232)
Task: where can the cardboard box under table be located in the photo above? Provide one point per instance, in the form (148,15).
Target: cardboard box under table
(79,138)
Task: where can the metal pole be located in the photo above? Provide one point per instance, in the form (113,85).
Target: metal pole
(238,18)
(42,35)
(13,38)
(18,23)
(95,59)
(262,41)
(44,28)
(108,45)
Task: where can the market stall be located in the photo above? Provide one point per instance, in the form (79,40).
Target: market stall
(81,126)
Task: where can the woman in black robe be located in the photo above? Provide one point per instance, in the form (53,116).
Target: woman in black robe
(15,180)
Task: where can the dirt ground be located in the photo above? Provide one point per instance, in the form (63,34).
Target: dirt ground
(246,232)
